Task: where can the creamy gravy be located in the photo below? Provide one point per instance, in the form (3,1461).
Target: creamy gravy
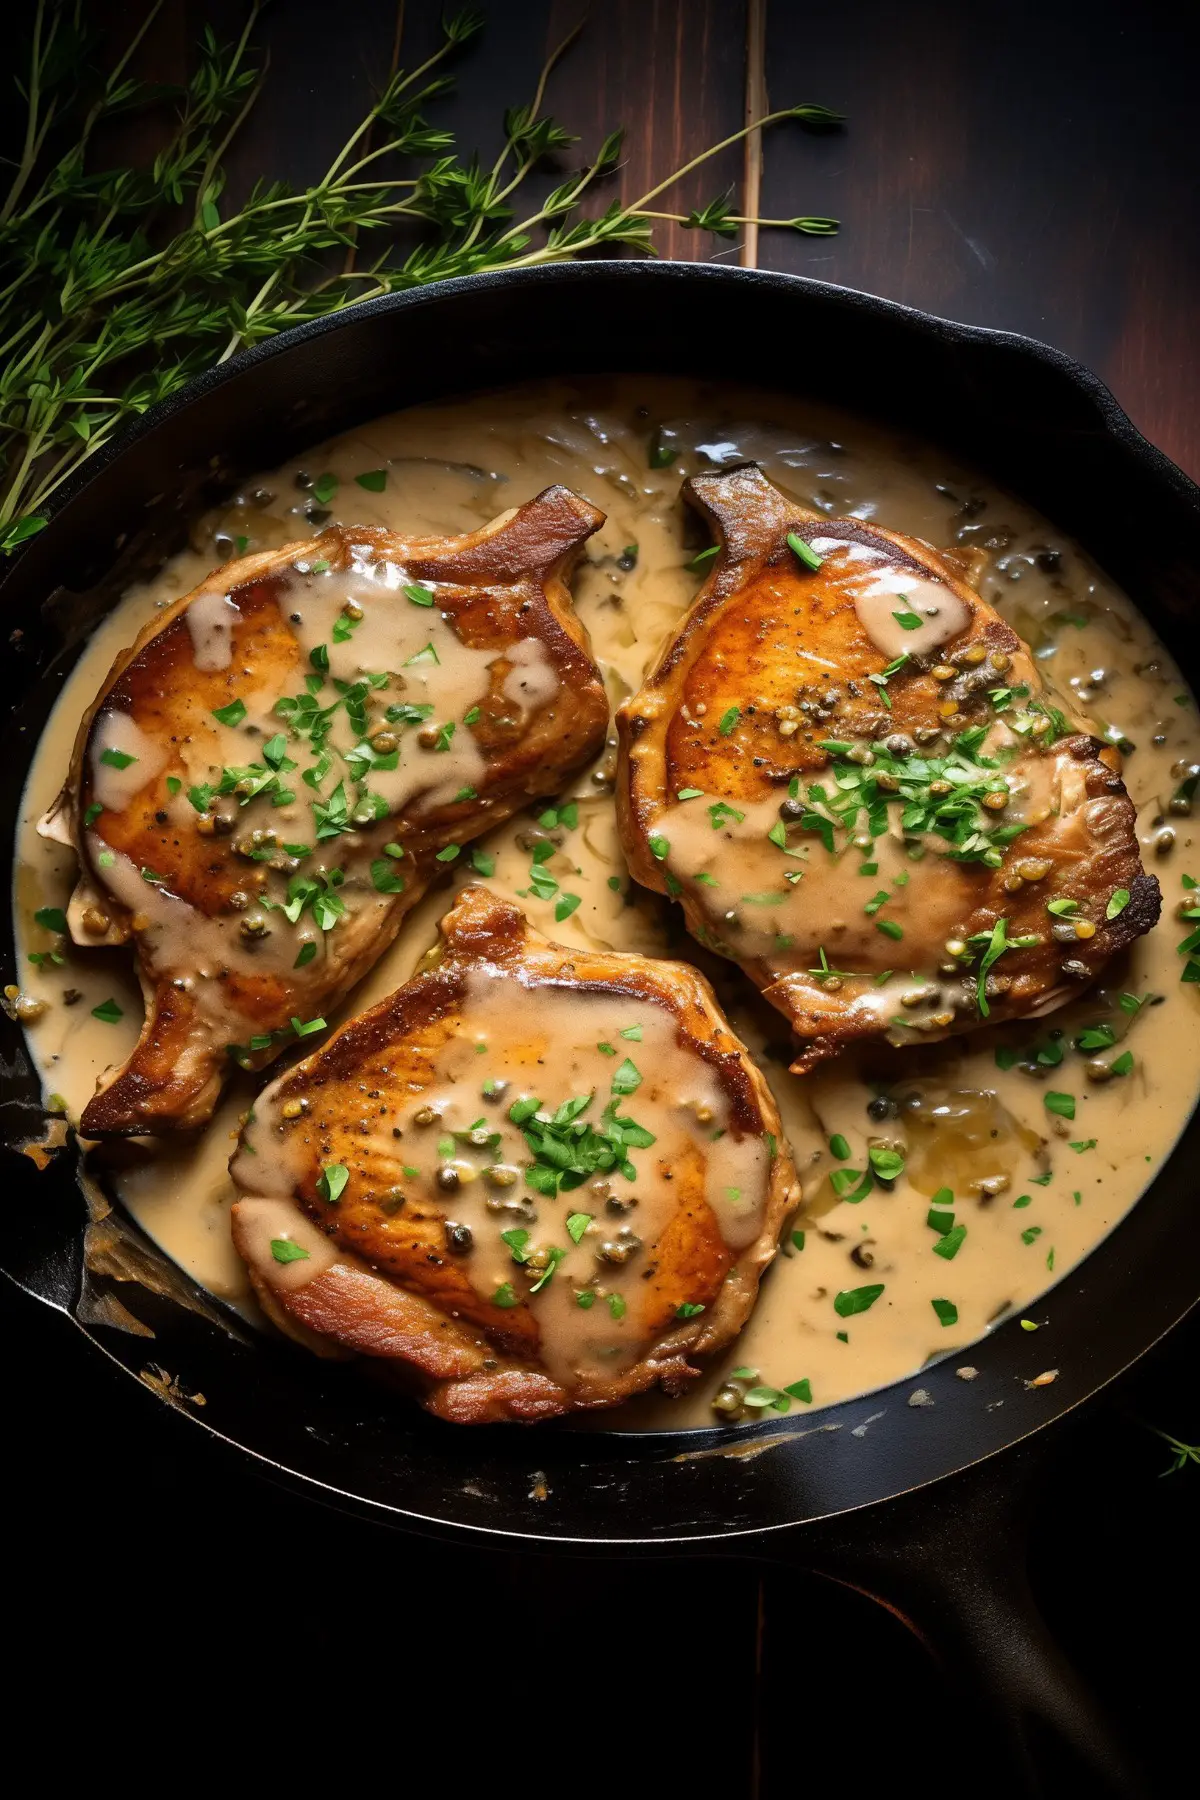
(1034,1190)
(515,1045)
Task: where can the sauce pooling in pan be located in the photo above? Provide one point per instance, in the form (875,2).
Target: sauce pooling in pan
(945,1186)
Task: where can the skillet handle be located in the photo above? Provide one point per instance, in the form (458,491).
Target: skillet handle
(951,1563)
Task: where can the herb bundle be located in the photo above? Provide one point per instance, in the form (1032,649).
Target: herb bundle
(117,285)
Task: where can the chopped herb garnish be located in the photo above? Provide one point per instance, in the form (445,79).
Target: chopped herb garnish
(704,558)
(889,928)
(419,595)
(331,1183)
(1062,1104)
(233,714)
(108,1012)
(284,1251)
(374,480)
(951,1243)
(856,1300)
(448,854)
(577,1224)
(504,1296)
(482,863)
(626,1079)
(517,1241)
(307,952)
(52,918)
(1117,902)
(117,759)
(566,906)
(719,812)
(690,794)
(839,1147)
(907,621)
(1123,1064)
(660,455)
(946,1311)
(688,1309)
(801,551)
(384,878)
(616,1305)
(728,720)
(660,847)
(887,1164)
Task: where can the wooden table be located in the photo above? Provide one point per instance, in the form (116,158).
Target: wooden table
(1031,166)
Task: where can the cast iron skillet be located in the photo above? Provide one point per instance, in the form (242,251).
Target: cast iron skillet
(1036,423)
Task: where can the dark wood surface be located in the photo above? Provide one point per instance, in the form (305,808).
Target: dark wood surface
(1022,165)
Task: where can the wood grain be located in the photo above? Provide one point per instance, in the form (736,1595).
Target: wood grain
(1015,164)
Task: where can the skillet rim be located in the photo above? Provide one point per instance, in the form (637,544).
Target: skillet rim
(1111,422)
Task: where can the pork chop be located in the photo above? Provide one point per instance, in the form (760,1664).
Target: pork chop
(535,1180)
(849,771)
(281,764)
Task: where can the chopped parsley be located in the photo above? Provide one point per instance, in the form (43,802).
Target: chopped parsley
(940,796)
(117,759)
(108,1012)
(856,1300)
(568,1149)
(374,480)
(1062,1104)
(801,551)
(284,1251)
(728,720)
(331,1183)
(233,714)
(947,1312)
(950,1243)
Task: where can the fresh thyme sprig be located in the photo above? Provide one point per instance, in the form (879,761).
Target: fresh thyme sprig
(117,285)
(1182,1454)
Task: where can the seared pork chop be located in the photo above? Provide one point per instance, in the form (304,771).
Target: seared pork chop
(282,763)
(848,769)
(534,1179)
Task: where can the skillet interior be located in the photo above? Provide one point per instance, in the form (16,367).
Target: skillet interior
(1027,416)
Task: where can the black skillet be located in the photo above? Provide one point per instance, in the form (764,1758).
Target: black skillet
(1036,423)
